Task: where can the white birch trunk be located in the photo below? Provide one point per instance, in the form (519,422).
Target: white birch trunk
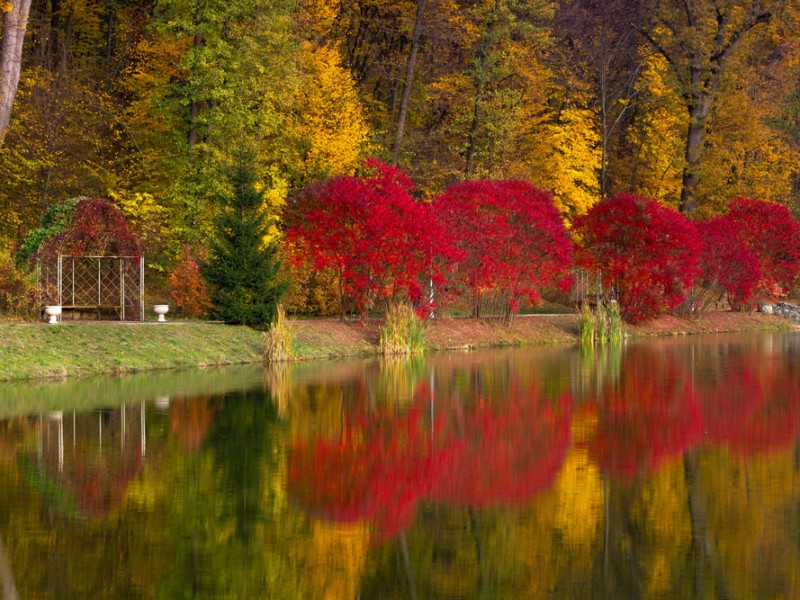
(13,36)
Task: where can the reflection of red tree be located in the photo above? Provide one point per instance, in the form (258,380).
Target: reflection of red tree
(754,405)
(387,460)
(100,487)
(378,470)
(189,420)
(511,450)
(650,415)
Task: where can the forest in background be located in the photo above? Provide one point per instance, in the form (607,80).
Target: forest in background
(144,103)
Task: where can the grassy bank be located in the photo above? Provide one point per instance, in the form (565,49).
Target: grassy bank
(43,351)
(46,351)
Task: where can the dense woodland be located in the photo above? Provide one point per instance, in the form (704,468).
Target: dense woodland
(145,103)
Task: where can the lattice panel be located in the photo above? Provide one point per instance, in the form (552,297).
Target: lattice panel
(133,292)
(108,283)
(90,281)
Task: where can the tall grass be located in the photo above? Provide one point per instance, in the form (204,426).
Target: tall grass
(277,340)
(601,325)
(402,332)
(586,325)
(614,320)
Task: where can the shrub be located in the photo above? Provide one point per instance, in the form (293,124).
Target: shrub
(370,232)
(726,265)
(511,239)
(601,325)
(647,254)
(57,219)
(772,235)
(17,289)
(188,287)
(402,332)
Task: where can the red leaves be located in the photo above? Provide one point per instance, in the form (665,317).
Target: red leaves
(506,237)
(378,470)
(725,262)
(648,254)
(510,237)
(651,415)
(97,227)
(752,253)
(370,232)
(511,450)
(188,287)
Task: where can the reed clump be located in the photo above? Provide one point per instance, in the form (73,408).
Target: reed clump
(586,325)
(604,324)
(278,339)
(402,331)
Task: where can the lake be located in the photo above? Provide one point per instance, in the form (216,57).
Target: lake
(665,468)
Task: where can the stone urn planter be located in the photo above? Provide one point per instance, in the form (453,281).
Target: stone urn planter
(161,310)
(53,312)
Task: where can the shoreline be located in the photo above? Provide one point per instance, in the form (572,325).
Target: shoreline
(38,352)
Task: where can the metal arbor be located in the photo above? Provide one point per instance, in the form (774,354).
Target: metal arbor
(95,267)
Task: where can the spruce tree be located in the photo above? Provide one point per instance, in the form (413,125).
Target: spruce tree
(243,270)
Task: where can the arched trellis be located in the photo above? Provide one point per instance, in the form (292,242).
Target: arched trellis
(95,266)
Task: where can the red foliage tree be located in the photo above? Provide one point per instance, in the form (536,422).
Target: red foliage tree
(379,241)
(646,253)
(187,285)
(772,235)
(512,240)
(726,265)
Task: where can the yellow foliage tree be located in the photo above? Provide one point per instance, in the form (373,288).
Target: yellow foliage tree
(570,160)
(654,165)
(327,122)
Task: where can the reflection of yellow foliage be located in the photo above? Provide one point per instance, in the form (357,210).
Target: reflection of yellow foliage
(338,555)
(584,425)
(143,493)
(562,529)
(662,508)
(315,411)
(752,501)
(579,503)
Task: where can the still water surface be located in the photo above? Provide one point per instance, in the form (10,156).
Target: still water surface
(664,469)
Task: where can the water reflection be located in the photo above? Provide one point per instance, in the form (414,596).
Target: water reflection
(668,468)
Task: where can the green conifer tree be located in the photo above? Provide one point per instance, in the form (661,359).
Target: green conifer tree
(243,270)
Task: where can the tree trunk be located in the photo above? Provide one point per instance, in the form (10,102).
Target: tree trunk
(699,108)
(412,58)
(481,83)
(13,36)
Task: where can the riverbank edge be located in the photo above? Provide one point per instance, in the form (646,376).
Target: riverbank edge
(44,352)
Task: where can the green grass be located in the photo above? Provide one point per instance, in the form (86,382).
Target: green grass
(46,351)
